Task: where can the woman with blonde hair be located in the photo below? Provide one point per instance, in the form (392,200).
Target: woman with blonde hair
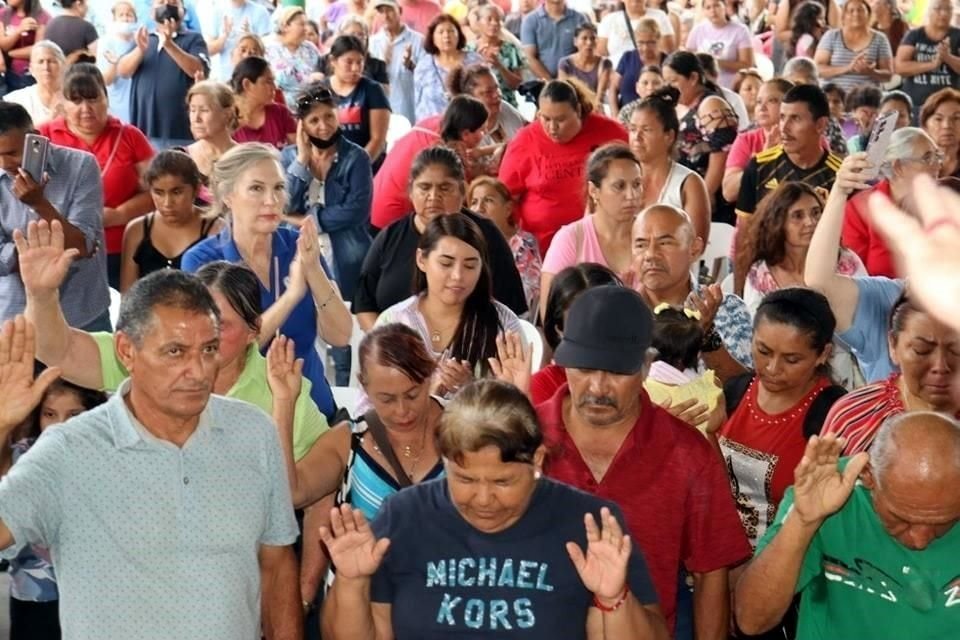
(250,191)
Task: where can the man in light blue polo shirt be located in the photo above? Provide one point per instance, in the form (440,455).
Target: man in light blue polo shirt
(547,35)
(164,507)
(399,46)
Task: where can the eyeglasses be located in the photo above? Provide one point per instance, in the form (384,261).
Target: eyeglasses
(930,159)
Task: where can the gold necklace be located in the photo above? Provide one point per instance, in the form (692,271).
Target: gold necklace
(407,452)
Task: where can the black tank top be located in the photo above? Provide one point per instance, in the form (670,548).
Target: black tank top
(149,259)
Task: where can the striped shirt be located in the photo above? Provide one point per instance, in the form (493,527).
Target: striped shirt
(858,415)
(877,52)
(770,168)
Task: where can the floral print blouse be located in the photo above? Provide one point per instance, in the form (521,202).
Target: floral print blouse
(526,255)
(292,70)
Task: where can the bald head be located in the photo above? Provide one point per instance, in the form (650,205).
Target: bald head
(665,216)
(919,447)
(913,474)
(665,246)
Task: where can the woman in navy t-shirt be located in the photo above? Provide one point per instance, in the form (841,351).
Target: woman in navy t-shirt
(362,105)
(493,550)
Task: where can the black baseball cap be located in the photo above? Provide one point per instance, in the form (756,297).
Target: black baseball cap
(608,328)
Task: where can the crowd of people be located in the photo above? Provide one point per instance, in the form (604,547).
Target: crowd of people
(490,217)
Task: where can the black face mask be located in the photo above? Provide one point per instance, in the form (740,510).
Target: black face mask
(166,12)
(321,143)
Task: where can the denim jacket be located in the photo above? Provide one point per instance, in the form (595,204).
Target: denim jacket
(348,193)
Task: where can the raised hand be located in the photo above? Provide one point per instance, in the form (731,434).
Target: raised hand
(707,303)
(284,369)
(304,147)
(603,570)
(308,246)
(851,176)
(925,249)
(513,363)
(44,263)
(227,26)
(110,57)
(353,548)
(819,488)
(20,392)
(142,38)
(450,375)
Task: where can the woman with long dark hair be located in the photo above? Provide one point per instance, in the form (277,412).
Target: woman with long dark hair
(453,307)
(708,125)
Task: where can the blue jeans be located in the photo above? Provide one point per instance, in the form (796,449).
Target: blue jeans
(341,365)
(101,323)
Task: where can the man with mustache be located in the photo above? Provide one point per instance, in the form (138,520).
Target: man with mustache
(606,437)
(665,249)
(804,114)
(167,510)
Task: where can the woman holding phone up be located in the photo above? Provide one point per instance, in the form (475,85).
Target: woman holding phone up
(911,152)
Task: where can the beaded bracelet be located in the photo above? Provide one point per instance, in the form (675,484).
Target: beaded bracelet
(616,605)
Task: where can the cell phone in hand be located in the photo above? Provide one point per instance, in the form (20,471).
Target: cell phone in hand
(883,128)
(34,160)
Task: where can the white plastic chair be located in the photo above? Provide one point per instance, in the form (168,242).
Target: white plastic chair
(721,238)
(764,66)
(531,335)
(727,285)
(114,307)
(346,398)
(399,126)
(355,339)
(528,110)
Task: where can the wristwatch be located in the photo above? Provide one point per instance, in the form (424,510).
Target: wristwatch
(711,342)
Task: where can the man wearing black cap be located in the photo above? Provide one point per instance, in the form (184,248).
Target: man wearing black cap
(607,438)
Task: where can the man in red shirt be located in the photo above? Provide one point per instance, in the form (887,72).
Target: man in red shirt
(606,437)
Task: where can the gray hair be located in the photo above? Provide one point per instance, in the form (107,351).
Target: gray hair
(350,21)
(883,451)
(803,66)
(50,46)
(164,288)
(902,146)
(230,166)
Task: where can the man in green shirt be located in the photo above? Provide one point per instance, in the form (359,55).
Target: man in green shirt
(868,542)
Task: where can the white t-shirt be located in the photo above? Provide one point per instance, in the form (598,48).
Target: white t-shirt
(613,27)
(29,99)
